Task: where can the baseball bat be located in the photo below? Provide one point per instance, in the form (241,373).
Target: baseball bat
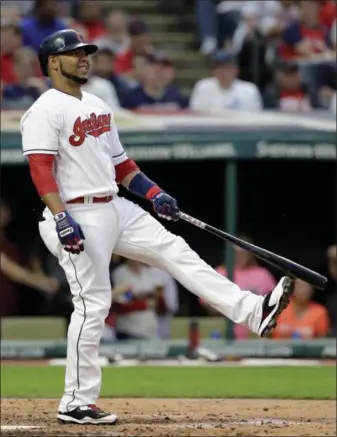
(291,268)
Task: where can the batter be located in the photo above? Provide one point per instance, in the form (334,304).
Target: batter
(76,162)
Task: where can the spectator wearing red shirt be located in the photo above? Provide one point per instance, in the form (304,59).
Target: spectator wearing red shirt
(306,37)
(27,87)
(11,41)
(327,13)
(288,92)
(140,45)
(90,16)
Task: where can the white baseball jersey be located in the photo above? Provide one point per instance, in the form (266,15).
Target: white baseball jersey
(82,135)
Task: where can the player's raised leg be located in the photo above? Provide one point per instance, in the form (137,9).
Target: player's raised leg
(145,239)
(88,276)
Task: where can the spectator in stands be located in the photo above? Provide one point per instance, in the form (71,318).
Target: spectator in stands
(269,18)
(249,275)
(16,8)
(134,308)
(288,92)
(333,103)
(151,93)
(116,37)
(42,23)
(90,16)
(13,274)
(11,41)
(255,36)
(205,12)
(71,23)
(303,319)
(103,65)
(224,91)
(306,37)
(42,262)
(103,89)
(167,302)
(327,12)
(217,25)
(28,87)
(140,45)
(166,74)
(327,98)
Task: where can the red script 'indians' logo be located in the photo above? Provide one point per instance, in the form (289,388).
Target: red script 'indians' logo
(94,126)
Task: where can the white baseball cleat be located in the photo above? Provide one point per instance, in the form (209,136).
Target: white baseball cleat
(273,305)
(87,415)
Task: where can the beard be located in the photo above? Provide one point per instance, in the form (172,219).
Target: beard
(76,79)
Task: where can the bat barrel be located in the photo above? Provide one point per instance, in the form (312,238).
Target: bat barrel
(290,268)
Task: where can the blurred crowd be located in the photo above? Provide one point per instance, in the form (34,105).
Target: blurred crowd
(145,299)
(262,54)
(309,314)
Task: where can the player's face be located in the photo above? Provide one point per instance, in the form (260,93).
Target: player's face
(74,66)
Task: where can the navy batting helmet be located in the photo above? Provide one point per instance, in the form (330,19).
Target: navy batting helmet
(59,42)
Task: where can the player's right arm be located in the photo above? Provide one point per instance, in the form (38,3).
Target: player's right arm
(40,129)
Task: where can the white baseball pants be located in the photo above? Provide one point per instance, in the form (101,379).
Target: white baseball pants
(126,229)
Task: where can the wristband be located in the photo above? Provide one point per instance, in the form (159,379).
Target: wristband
(143,186)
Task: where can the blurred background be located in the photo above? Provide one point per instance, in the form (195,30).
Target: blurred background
(163,58)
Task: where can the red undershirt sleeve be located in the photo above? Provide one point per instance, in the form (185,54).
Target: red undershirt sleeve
(124,168)
(41,171)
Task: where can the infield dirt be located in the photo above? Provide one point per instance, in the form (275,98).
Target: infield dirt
(180,417)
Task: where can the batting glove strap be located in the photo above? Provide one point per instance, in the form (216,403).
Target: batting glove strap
(69,233)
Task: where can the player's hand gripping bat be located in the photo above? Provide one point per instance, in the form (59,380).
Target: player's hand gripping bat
(290,268)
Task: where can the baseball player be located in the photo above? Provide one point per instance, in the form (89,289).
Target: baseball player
(76,162)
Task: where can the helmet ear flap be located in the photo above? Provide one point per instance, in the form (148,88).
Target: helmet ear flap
(43,60)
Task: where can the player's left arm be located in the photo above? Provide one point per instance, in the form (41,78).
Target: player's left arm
(133,179)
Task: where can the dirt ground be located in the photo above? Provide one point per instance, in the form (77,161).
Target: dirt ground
(180,417)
